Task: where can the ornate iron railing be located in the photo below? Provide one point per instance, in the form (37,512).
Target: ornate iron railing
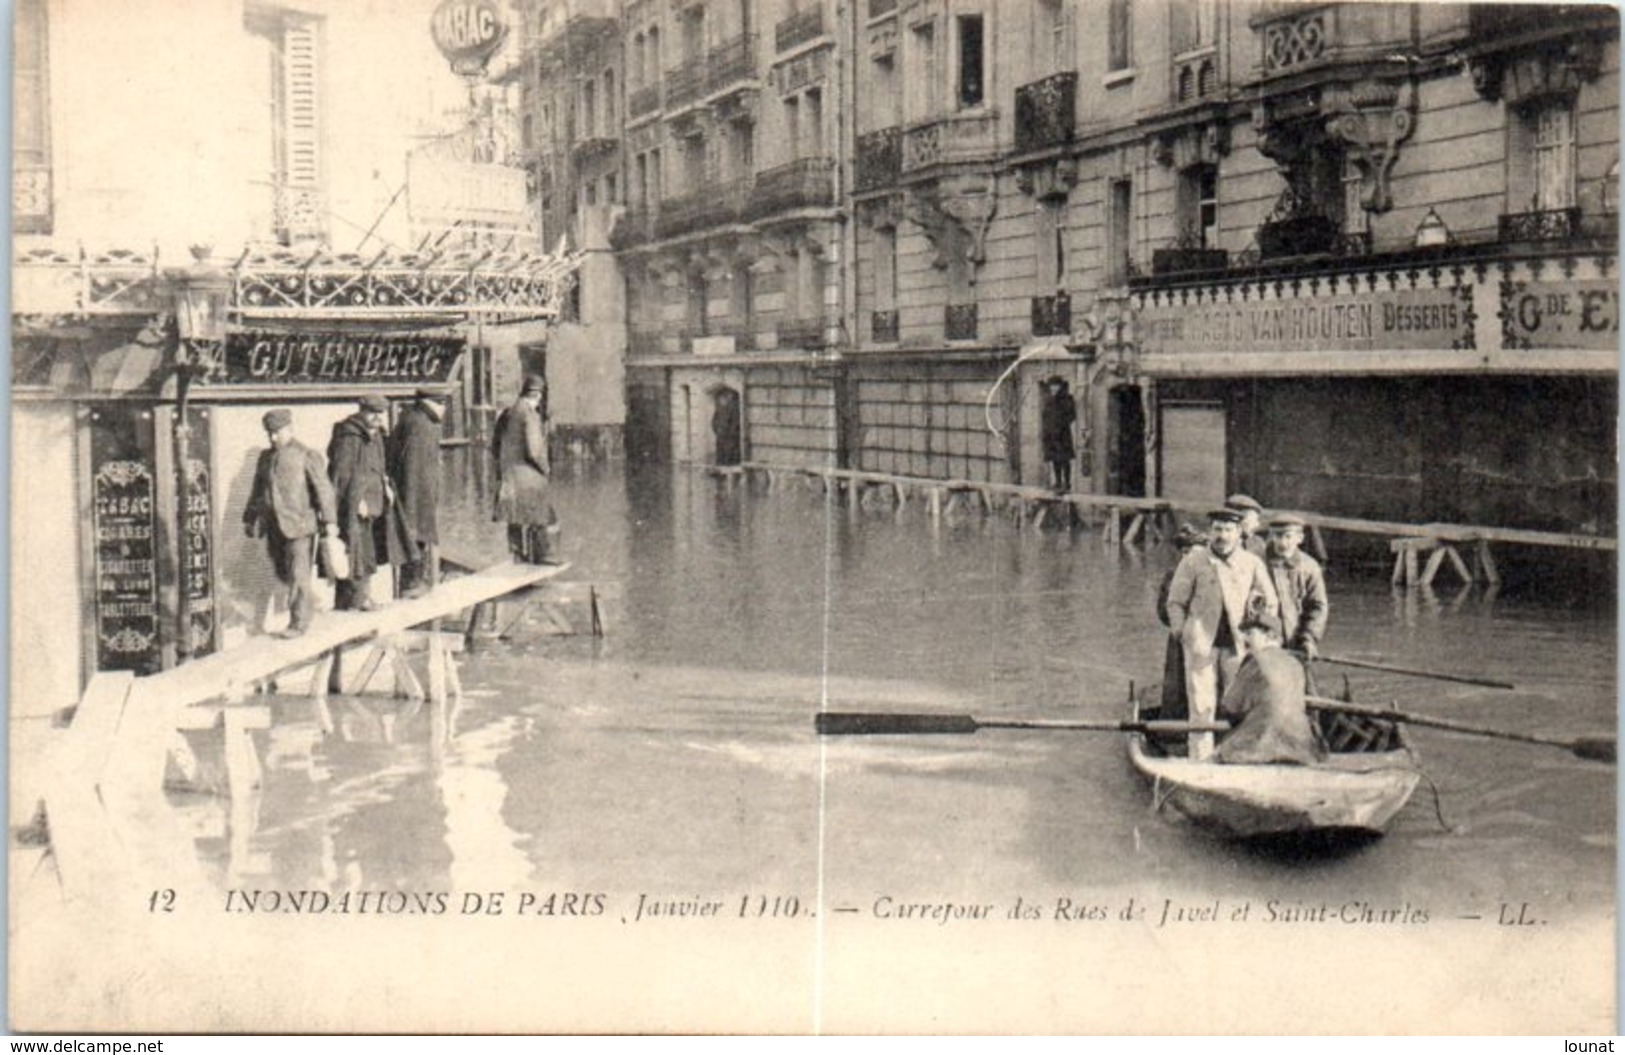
(686,83)
(1545,225)
(957,138)
(804,184)
(708,207)
(634,227)
(645,100)
(959,322)
(731,62)
(883,326)
(51,281)
(879,159)
(1046,112)
(1052,316)
(587,151)
(1295,40)
(799,28)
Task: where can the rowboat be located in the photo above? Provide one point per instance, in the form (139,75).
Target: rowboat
(1368,776)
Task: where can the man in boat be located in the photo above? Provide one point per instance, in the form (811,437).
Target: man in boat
(1207,601)
(1252,516)
(1299,583)
(1266,702)
(1174,706)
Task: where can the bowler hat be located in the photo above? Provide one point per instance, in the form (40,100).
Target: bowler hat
(280,418)
(1245,503)
(375,404)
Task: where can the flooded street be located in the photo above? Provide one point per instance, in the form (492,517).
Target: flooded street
(669,774)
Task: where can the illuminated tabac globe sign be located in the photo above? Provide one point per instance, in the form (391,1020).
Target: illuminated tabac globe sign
(468,33)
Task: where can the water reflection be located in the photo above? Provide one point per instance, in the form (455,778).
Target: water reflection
(681,758)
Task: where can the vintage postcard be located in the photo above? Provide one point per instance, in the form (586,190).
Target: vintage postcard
(813,516)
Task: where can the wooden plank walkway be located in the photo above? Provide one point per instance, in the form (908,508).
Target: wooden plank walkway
(1126,519)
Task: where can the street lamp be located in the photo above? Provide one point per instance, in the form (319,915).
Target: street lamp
(202,294)
(1431,233)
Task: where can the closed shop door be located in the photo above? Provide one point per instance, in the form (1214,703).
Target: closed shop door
(1193,455)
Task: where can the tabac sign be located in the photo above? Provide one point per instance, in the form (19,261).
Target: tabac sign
(253,358)
(468,33)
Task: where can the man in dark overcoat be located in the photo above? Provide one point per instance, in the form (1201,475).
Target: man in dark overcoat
(290,501)
(519,445)
(1056,419)
(414,466)
(355,458)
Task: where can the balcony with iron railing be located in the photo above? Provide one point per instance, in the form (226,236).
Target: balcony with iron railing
(592,149)
(1052,315)
(642,101)
(686,83)
(947,140)
(1541,225)
(1294,37)
(799,28)
(808,183)
(710,206)
(633,227)
(1046,112)
(879,159)
(732,63)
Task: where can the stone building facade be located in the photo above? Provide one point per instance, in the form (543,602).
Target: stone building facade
(1354,257)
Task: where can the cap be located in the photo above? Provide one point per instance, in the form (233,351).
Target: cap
(375,404)
(433,395)
(280,418)
(533,384)
(1226,515)
(1244,503)
(1188,536)
(1287,520)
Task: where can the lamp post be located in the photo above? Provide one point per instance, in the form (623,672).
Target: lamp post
(202,293)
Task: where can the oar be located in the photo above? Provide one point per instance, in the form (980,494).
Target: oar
(1591,748)
(846,723)
(1413,672)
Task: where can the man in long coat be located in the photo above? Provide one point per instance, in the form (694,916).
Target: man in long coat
(1213,590)
(290,501)
(1056,419)
(519,445)
(413,456)
(355,458)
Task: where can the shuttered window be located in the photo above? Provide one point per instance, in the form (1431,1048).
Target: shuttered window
(31,133)
(1554,155)
(297,180)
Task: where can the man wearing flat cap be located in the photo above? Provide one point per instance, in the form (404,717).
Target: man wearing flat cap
(1252,516)
(1300,584)
(290,501)
(355,458)
(413,457)
(1207,602)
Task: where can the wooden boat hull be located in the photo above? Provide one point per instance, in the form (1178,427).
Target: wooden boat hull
(1353,792)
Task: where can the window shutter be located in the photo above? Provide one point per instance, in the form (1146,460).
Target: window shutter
(302,212)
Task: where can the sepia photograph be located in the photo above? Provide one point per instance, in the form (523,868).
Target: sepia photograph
(880,517)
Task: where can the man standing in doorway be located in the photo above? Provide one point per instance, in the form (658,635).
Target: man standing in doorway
(290,501)
(1210,596)
(414,466)
(1056,419)
(355,458)
(519,446)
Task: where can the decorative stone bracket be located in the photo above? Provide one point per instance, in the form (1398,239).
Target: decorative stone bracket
(1367,120)
(1198,144)
(882,212)
(1558,68)
(1051,178)
(955,215)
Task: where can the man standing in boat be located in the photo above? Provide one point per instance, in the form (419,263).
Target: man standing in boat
(1299,583)
(1207,601)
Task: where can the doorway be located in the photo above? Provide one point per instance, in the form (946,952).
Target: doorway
(1125,473)
(725,431)
(1193,452)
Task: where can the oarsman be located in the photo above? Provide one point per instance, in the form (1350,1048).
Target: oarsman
(1268,704)
(1207,601)
(1299,583)
(1252,516)
(290,501)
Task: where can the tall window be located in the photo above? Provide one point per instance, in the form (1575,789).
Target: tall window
(1193,24)
(1052,36)
(1356,220)
(654,56)
(641,187)
(1119,218)
(923,84)
(1049,243)
(792,126)
(693,30)
(296,178)
(972,79)
(638,74)
(885,105)
(812,125)
(1119,35)
(741,150)
(31,136)
(693,164)
(609,103)
(1552,122)
(885,268)
(1198,206)
(589,109)
(657,185)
